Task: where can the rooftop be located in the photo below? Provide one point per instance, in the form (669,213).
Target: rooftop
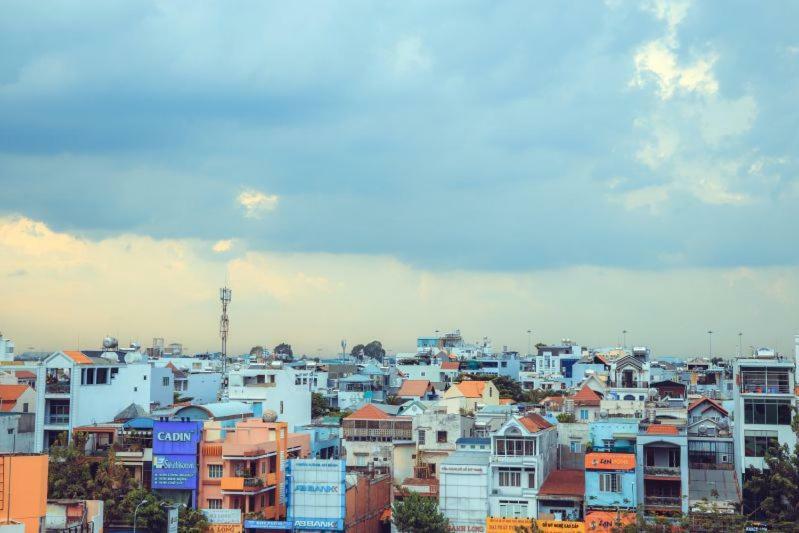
(564,483)
(414,387)
(534,422)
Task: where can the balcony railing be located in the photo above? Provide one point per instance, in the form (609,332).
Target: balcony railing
(662,501)
(61,387)
(241,484)
(662,471)
(57,419)
(761,388)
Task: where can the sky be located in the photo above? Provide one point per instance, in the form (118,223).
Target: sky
(382,170)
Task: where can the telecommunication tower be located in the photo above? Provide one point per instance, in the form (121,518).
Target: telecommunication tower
(224,326)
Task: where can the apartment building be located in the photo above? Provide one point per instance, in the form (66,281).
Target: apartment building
(273,388)
(662,469)
(373,440)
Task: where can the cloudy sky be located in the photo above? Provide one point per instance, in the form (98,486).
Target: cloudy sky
(367,170)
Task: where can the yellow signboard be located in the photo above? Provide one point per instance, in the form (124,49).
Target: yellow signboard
(224,528)
(509,525)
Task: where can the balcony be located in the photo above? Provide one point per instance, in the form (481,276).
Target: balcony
(663,501)
(668,472)
(60,387)
(762,388)
(57,420)
(242,484)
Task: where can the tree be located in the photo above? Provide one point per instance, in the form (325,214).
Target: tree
(111,483)
(152,514)
(395,400)
(508,388)
(566,418)
(418,514)
(257,351)
(192,521)
(70,474)
(283,351)
(357,351)
(374,350)
(775,489)
(319,405)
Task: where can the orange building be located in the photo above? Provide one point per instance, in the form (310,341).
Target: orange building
(245,469)
(23,490)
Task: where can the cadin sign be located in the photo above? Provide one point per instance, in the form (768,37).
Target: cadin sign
(175,455)
(316,494)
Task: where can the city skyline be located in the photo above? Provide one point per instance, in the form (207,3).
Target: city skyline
(576,171)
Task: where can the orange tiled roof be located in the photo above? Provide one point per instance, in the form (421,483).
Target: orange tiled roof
(450,365)
(24,374)
(534,422)
(78,357)
(506,401)
(9,394)
(368,412)
(609,461)
(564,483)
(586,396)
(558,400)
(662,429)
(702,400)
(414,387)
(471,389)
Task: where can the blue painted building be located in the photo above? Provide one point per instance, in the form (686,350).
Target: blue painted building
(610,481)
(613,435)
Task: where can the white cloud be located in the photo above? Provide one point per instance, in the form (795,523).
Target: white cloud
(656,61)
(256,203)
(222,246)
(650,198)
(410,56)
(720,119)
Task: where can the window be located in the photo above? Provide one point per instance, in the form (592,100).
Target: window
(102,376)
(263,500)
(510,478)
(144,377)
(767,411)
(575,447)
(89,376)
(583,414)
(441,437)
(609,483)
(214,471)
(531,479)
(512,509)
(515,447)
(421,436)
(281,407)
(263,467)
(165,381)
(757,446)
(214,503)
(25,407)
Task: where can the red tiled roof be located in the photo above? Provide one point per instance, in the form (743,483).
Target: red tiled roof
(25,374)
(471,389)
(534,422)
(78,357)
(414,387)
(564,483)
(697,403)
(587,397)
(506,401)
(9,394)
(450,365)
(368,412)
(554,399)
(662,429)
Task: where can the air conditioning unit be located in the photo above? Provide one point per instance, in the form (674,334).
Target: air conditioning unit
(494,491)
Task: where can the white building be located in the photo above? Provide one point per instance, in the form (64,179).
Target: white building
(6,349)
(274,388)
(523,452)
(464,489)
(436,434)
(75,389)
(764,397)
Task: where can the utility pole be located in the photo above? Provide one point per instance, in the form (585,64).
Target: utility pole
(624,338)
(710,344)
(740,335)
(529,342)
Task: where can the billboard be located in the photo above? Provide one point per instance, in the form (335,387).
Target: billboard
(509,525)
(175,455)
(316,494)
(223,516)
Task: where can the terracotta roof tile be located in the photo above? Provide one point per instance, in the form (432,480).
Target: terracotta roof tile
(586,396)
(415,388)
(25,374)
(471,389)
(9,394)
(450,365)
(78,357)
(506,401)
(534,422)
(702,400)
(662,429)
(564,483)
(368,412)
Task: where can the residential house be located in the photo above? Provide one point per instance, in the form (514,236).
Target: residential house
(662,469)
(17,399)
(272,388)
(416,389)
(437,433)
(467,396)
(373,440)
(561,496)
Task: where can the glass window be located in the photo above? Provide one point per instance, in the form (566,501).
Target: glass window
(757,446)
(165,381)
(609,482)
(583,414)
(214,503)
(421,436)
(510,478)
(214,471)
(770,411)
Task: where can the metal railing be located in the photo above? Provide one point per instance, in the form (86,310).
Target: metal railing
(662,471)
(61,387)
(662,501)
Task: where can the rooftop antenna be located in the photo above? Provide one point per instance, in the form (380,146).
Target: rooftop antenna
(224,325)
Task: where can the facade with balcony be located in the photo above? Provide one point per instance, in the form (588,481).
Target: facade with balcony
(273,389)
(662,469)
(523,452)
(764,399)
(245,470)
(374,441)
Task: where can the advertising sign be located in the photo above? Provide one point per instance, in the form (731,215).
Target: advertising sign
(605,521)
(175,455)
(509,525)
(223,516)
(224,528)
(267,524)
(316,489)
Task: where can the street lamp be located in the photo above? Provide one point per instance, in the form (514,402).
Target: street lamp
(135,513)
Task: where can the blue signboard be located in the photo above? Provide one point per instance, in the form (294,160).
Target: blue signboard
(267,524)
(175,455)
(174,472)
(316,494)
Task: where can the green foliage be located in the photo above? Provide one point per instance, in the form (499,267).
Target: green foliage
(191,521)
(566,418)
(508,388)
(374,350)
(177,398)
(257,351)
(357,351)
(394,400)
(152,514)
(319,405)
(283,351)
(418,514)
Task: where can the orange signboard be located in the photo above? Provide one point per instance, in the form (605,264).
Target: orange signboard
(610,461)
(603,521)
(224,528)
(509,525)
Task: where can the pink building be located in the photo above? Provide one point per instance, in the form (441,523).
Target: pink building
(245,469)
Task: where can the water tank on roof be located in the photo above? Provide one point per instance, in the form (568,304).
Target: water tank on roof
(269,416)
(110,343)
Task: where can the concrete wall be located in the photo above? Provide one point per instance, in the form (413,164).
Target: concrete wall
(365,503)
(204,387)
